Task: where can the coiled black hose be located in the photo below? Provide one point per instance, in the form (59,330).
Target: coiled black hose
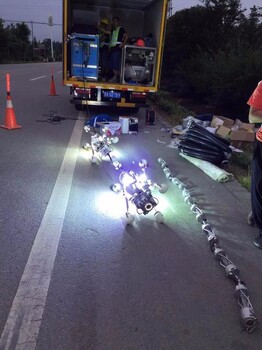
(202,144)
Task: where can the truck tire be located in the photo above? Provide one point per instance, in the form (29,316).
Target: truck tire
(80,107)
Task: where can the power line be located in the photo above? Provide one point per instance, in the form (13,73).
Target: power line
(15,21)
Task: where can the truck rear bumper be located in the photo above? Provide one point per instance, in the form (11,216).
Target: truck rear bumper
(107,103)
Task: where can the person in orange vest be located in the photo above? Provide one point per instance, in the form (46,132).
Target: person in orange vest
(104,39)
(118,40)
(255,116)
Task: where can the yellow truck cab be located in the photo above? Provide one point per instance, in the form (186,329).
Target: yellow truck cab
(144,22)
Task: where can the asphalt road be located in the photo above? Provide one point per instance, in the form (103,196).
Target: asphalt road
(73,276)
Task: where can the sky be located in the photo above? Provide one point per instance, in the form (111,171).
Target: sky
(33,11)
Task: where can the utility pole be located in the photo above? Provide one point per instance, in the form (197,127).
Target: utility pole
(50,23)
(170,8)
(32,36)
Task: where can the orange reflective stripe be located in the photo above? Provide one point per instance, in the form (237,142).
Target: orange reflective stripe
(8,82)
(255,99)
(259,134)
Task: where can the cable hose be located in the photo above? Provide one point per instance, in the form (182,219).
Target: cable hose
(195,147)
(212,138)
(205,131)
(215,157)
(202,156)
(202,143)
(209,139)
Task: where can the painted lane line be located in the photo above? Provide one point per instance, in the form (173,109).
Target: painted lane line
(60,71)
(43,76)
(23,323)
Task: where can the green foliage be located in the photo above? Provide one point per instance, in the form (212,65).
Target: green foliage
(224,79)
(245,181)
(17,46)
(213,53)
(3,40)
(165,101)
(240,165)
(244,159)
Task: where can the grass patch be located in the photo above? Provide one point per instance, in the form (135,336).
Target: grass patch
(240,165)
(172,111)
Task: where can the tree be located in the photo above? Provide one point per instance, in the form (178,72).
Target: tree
(229,11)
(57,47)
(3,41)
(18,44)
(214,53)
(187,31)
(21,32)
(250,30)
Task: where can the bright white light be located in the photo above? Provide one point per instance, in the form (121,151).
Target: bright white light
(126,179)
(143,163)
(142,178)
(86,154)
(163,204)
(115,139)
(110,204)
(116,153)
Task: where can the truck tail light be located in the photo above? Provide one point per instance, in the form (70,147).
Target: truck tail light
(138,95)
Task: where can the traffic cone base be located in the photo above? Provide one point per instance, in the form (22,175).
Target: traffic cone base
(10,119)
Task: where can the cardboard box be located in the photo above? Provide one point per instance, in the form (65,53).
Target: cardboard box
(242,135)
(233,130)
(218,120)
(247,127)
(238,135)
(223,131)
(242,132)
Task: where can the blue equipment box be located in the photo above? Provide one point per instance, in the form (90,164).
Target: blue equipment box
(85,56)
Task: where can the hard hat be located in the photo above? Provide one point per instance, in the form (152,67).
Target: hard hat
(140,42)
(105,21)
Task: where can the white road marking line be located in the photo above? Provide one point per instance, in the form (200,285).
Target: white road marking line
(60,71)
(43,76)
(24,320)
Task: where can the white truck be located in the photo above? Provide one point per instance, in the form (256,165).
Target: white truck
(140,64)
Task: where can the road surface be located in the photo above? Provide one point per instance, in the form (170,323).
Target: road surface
(73,276)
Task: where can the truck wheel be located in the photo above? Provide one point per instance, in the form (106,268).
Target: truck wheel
(128,110)
(80,107)
(134,110)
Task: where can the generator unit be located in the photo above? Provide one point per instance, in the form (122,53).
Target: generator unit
(138,65)
(84,56)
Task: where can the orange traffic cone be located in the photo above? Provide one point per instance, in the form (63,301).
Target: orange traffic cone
(10,119)
(52,87)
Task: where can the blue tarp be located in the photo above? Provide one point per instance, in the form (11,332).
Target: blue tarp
(98,118)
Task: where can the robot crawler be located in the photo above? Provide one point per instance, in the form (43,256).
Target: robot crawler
(136,189)
(100,147)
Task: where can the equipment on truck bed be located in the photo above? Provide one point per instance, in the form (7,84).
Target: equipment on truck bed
(84,56)
(138,65)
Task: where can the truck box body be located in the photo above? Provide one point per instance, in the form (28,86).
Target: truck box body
(140,65)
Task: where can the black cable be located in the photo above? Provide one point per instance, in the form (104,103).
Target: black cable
(53,118)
